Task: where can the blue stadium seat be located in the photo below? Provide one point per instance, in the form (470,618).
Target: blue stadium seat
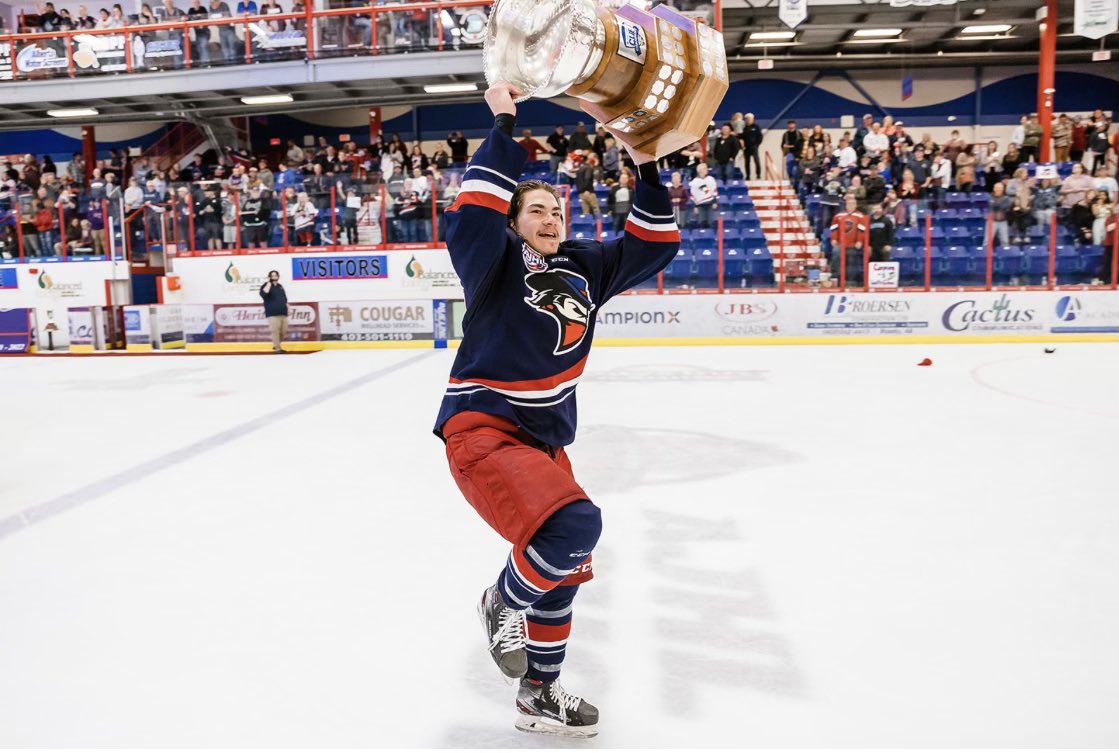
(760,268)
(679,270)
(707,268)
(734,267)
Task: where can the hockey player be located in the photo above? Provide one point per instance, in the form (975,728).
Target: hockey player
(509,409)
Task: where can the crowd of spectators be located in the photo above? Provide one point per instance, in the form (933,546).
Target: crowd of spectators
(320,194)
(271,39)
(880,171)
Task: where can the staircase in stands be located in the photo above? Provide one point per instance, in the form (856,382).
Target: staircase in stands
(786,226)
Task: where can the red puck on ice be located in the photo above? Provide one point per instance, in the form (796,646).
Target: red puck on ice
(926,362)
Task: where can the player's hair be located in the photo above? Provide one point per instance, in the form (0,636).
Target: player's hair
(523,188)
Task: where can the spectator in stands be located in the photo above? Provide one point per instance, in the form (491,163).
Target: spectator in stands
(1045,197)
(861,133)
(809,169)
(876,143)
(227,39)
(256,211)
(999,208)
(751,145)
(317,186)
(49,20)
(1020,215)
(725,150)
(611,162)
(1082,217)
(170,14)
(417,159)
(459,146)
(833,191)
(856,188)
(1106,184)
(965,169)
(1098,144)
(847,232)
(83,20)
(899,136)
(530,145)
(1018,135)
(876,183)
(200,48)
(846,158)
(953,147)
(1078,141)
(29,227)
(580,141)
(930,147)
(349,216)
(182,205)
(1103,209)
(1011,160)
(303,214)
(792,144)
(881,229)
(398,149)
(940,178)
(265,176)
(817,139)
(295,153)
(440,158)
(208,217)
(46,223)
(620,201)
(1062,137)
(557,148)
(992,166)
(705,196)
(1076,186)
(585,178)
(909,192)
(678,194)
(1032,139)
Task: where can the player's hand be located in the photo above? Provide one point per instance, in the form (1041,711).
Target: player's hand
(500,98)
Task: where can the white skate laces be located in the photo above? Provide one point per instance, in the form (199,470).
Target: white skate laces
(563,699)
(511,629)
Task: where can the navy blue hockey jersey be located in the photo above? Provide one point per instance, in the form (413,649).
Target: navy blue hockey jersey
(530,318)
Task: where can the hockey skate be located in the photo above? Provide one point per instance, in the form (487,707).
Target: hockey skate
(505,630)
(545,708)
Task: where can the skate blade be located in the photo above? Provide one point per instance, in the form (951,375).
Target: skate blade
(539,725)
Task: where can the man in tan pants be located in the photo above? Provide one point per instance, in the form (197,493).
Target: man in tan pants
(275,308)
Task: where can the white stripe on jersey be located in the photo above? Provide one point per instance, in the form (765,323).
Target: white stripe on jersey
(666,227)
(639,210)
(484,186)
(504,177)
(526,394)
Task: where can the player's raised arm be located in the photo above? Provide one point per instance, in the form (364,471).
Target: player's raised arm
(651,239)
(477,220)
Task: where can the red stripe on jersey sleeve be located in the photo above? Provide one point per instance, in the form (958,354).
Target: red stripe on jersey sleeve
(653,236)
(482,199)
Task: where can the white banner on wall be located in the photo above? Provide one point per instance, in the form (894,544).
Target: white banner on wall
(845,314)
(62,283)
(376,320)
(1096,19)
(320,276)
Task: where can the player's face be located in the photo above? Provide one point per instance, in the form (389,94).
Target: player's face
(540,221)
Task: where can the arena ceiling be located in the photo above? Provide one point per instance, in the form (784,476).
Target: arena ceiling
(929,36)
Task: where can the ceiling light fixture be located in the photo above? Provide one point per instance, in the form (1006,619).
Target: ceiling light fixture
(773,35)
(980,37)
(772,44)
(878,32)
(874,41)
(73,112)
(987,29)
(267,99)
(450,88)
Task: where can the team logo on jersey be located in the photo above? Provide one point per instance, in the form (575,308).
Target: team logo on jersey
(564,296)
(534,260)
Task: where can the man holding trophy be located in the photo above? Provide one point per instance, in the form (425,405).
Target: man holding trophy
(509,408)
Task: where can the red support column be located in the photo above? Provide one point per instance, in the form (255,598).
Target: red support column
(309,30)
(19,231)
(720,260)
(435,220)
(1053,252)
(384,217)
(1046,68)
(186,48)
(284,217)
(333,219)
(866,253)
(190,222)
(843,257)
(61,233)
(237,206)
(249,42)
(928,252)
(89,151)
(990,251)
(106,230)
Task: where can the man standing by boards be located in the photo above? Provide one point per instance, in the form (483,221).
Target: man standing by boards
(275,309)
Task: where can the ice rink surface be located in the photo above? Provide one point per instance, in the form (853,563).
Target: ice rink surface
(803,547)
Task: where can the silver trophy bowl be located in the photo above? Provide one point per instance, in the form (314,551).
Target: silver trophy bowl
(543,47)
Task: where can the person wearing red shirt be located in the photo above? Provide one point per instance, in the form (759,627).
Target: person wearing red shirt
(531,145)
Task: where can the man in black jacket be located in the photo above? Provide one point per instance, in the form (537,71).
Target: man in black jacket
(726,149)
(275,308)
(792,144)
(751,143)
(881,234)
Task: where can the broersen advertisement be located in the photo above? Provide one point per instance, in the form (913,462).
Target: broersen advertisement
(242,323)
(357,321)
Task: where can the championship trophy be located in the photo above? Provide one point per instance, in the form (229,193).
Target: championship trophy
(654,77)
